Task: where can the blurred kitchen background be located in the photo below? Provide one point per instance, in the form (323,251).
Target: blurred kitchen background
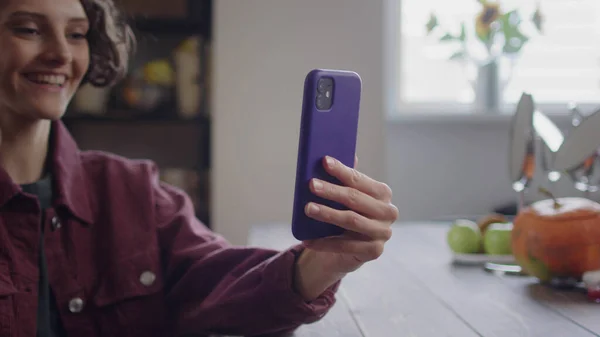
(215,89)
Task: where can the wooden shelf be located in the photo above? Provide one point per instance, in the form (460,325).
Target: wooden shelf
(171,141)
(169,145)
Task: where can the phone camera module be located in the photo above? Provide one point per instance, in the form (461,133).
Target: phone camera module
(324,93)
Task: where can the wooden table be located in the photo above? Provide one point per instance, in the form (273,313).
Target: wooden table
(414,289)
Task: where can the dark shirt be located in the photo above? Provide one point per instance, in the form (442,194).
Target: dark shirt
(131,259)
(48,321)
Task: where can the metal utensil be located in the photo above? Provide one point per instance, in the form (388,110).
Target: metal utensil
(579,156)
(586,176)
(551,139)
(521,151)
(576,115)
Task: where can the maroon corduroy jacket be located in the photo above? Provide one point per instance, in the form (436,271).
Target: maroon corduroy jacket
(127,257)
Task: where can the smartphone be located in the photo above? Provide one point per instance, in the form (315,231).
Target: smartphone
(328,127)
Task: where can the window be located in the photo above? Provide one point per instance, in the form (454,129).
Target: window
(560,65)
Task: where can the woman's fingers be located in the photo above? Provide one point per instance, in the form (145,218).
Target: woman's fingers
(353,178)
(350,221)
(355,200)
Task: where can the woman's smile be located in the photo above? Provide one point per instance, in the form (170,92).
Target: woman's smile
(46,81)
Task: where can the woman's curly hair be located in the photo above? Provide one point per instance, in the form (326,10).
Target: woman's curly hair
(111,41)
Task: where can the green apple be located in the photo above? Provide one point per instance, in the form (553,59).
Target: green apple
(464,237)
(497,239)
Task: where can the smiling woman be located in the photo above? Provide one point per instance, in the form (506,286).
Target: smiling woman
(48,53)
(94,244)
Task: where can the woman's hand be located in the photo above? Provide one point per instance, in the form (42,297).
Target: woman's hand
(367,224)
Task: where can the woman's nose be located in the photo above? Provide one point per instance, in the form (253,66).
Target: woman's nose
(57,51)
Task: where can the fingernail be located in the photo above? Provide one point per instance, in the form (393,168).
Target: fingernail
(313,209)
(317,185)
(329,161)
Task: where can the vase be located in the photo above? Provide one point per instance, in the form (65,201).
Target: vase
(488,88)
(187,65)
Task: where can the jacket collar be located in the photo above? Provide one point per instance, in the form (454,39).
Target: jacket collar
(70,183)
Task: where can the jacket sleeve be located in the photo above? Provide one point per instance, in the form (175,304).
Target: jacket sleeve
(213,287)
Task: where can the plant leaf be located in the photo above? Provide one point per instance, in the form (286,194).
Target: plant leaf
(538,20)
(448,37)
(463,32)
(432,23)
(512,15)
(459,55)
(514,38)
(514,45)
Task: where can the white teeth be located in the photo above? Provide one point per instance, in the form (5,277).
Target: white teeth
(47,79)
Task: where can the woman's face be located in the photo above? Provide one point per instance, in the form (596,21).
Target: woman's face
(44,56)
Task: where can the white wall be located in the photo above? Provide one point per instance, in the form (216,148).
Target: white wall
(447,169)
(438,168)
(455,168)
(262,51)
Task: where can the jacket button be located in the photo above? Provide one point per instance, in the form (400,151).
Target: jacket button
(147,278)
(76,305)
(56,223)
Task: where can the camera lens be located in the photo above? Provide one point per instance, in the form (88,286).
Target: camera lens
(324,84)
(320,102)
(324,92)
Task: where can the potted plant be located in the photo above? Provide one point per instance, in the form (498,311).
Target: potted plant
(492,35)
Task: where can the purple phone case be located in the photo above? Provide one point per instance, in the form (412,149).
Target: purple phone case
(324,133)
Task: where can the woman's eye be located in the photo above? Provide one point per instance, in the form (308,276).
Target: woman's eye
(26,31)
(77,36)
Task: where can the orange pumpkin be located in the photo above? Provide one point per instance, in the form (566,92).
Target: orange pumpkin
(558,238)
